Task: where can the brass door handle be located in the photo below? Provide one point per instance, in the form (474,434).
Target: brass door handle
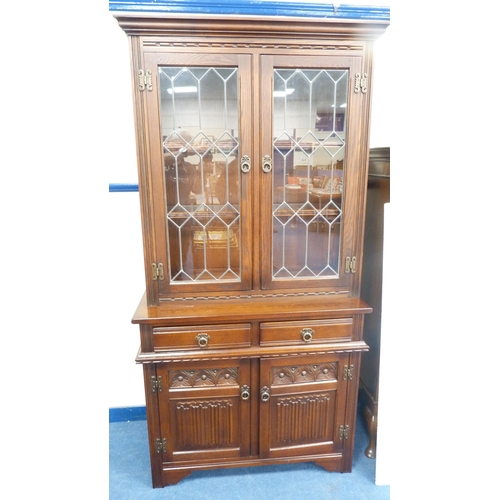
(245,164)
(202,339)
(245,392)
(264,394)
(267,164)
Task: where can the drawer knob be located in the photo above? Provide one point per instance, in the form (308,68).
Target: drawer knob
(245,392)
(202,339)
(307,334)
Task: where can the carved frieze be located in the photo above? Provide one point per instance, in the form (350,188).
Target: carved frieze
(254,296)
(236,45)
(203,378)
(282,375)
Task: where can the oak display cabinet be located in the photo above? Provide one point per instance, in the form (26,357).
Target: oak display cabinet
(252,145)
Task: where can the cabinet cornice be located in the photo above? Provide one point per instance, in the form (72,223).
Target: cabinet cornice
(252,27)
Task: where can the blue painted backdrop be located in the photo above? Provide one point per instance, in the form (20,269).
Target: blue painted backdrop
(253,7)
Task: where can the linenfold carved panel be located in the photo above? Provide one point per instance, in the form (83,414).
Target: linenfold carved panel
(282,375)
(202,378)
(205,424)
(303,419)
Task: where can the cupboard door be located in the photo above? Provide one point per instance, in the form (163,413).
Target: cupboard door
(199,139)
(204,410)
(302,406)
(310,143)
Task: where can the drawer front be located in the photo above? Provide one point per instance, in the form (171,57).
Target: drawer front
(201,337)
(306,332)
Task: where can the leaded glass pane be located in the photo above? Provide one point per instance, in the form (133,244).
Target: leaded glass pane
(308,155)
(200,139)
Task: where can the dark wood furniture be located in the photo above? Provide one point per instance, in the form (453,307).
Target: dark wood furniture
(251,324)
(378,194)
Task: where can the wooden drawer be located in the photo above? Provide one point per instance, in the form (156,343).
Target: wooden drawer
(306,332)
(201,337)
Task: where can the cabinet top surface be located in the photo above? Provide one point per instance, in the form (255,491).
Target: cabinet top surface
(252,8)
(246,309)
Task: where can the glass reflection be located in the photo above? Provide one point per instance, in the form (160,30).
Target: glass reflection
(199,118)
(309,145)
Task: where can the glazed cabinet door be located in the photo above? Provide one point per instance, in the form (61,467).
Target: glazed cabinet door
(198,169)
(303,401)
(204,410)
(310,166)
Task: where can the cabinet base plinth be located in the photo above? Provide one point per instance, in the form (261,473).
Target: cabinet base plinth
(331,465)
(171,475)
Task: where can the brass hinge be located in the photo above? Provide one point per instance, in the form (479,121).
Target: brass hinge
(348,372)
(360,83)
(350,265)
(161,445)
(157,270)
(344,432)
(145,80)
(156,384)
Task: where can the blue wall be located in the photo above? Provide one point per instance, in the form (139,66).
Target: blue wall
(253,7)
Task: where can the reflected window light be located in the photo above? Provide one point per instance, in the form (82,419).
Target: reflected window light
(283,93)
(183,90)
